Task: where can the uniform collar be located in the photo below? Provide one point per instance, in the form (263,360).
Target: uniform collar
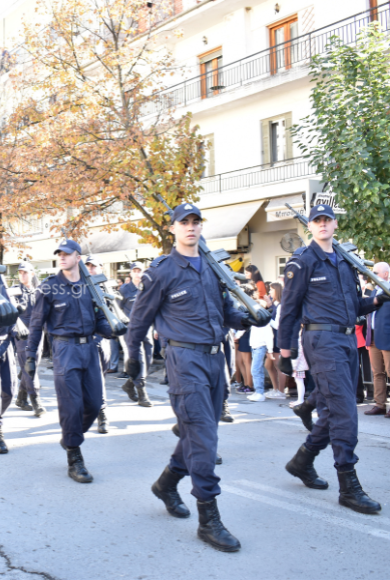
(65,280)
(179,258)
(320,252)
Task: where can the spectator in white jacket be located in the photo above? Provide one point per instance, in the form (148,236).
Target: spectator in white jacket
(262,344)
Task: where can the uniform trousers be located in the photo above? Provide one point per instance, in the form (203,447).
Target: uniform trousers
(104,348)
(79,387)
(26,383)
(8,377)
(333,362)
(196,388)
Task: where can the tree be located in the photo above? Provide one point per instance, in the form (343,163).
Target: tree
(78,142)
(347,135)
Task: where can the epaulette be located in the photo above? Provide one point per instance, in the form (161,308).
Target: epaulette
(157,261)
(300,251)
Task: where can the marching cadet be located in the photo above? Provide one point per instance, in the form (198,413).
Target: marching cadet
(323,290)
(136,390)
(181,293)
(65,304)
(26,301)
(95,266)
(8,372)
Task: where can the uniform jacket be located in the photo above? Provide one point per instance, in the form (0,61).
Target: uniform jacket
(27,300)
(382,326)
(316,291)
(185,305)
(68,310)
(129,293)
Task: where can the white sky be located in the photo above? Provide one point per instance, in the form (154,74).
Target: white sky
(7,4)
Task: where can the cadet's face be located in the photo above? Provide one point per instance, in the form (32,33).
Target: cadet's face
(25,277)
(188,231)
(136,275)
(93,270)
(322,228)
(68,261)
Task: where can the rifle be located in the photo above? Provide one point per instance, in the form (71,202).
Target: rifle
(226,276)
(20,327)
(112,296)
(347,250)
(98,297)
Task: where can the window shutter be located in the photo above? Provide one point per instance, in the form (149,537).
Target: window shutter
(211,167)
(265,141)
(289,140)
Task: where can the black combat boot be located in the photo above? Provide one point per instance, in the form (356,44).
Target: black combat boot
(176,430)
(3,446)
(212,530)
(218,460)
(301,465)
(102,422)
(129,388)
(353,496)
(165,488)
(39,409)
(21,401)
(77,469)
(225,415)
(143,398)
(304,411)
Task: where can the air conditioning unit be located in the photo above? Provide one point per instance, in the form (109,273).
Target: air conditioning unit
(243,238)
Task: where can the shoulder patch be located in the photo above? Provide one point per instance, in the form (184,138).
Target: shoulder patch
(300,251)
(158,261)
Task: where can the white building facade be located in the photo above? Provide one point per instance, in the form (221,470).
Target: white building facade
(244,75)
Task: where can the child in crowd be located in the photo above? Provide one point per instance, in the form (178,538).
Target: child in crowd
(300,366)
(262,343)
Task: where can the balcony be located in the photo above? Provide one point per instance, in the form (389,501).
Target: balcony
(265,64)
(259,175)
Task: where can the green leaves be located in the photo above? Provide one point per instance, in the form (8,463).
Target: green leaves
(347,136)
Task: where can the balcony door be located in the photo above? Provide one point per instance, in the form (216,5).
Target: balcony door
(210,69)
(283,51)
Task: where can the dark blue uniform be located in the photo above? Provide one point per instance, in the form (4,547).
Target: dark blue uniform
(27,300)
(72,321)
(188,306)
(8,372)
(129,293)
(318,292)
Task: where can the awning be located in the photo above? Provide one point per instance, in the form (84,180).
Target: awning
(117,246)
(223,224)
(277,210)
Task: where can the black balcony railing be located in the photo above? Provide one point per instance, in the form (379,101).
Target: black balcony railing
(258,175)
(279,58)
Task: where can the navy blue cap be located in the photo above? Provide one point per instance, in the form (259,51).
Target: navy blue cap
(68,246)
(94,260)
(183,210)
(26,267)
(322,209)
(138,265)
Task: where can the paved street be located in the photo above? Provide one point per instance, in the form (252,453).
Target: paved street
(54,528)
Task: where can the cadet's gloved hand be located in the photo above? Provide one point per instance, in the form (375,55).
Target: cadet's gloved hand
(133,368)
(21,308)
(8,313)
(360,320)
(285,366)
(30,367)
(382,298)
(294,353)
(21,331)
(120,329)
(264,318)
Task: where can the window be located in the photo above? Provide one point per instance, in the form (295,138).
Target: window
(281,264)
(276,139)
(285,52)
(211,75)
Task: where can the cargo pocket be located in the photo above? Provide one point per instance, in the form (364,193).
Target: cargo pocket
(325,379)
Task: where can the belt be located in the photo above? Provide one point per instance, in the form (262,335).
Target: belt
(331,328)
(207,348)
(74,340)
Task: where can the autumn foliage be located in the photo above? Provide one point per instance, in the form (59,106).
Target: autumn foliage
(77,141)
